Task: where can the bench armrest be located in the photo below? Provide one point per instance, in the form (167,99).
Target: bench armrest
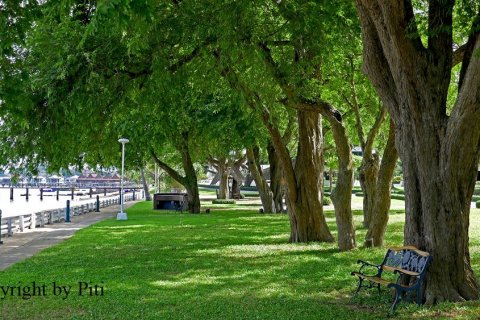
(406,273)
(366,263)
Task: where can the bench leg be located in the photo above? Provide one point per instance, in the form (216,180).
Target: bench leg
(396,301)
(419,295)
(360,281)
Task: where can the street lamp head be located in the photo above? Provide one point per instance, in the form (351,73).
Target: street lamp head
(123,140)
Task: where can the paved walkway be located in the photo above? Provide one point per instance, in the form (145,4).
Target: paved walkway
(23,245)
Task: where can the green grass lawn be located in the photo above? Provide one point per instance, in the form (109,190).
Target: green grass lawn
(229,264)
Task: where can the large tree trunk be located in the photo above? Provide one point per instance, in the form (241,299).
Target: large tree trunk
(305,207)
(381,205)
(439,153)
(190,179)
(368,182)
(304,183)
(276,176)
(342,194)
(223,174)
(145,185)
(266,195)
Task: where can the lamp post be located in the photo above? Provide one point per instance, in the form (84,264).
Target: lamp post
(122,215)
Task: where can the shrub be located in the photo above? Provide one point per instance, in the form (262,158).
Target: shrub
(223,201)
(397,179)
(327,201)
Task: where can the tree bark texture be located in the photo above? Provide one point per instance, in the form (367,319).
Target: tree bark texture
(370,164)
(342,194)
(266,195)
(368,181)
(439,153)
(383,185)
(148,197)
(223,174)
(276,178)
(306,208)
(190,179)
(221,165)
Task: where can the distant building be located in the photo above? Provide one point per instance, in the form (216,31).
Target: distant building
(5,179)
(55,179)
(95,179)
(71,179)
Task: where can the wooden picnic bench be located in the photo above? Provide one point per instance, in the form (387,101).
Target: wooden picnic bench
(407,263)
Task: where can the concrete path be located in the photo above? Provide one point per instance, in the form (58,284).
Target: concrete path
(25,244)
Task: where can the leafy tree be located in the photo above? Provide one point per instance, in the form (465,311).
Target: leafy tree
(409,53)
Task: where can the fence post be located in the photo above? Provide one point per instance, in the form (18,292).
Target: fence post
(9,227)
(97,204)
(20,223)
(67,212)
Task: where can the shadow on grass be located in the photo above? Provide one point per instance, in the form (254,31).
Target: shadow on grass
(224,265)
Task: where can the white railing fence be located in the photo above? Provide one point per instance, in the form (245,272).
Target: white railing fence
(13,224)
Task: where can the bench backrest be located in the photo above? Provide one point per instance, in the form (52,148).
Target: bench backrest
(407,258)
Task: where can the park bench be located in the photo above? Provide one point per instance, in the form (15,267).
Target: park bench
(408,265)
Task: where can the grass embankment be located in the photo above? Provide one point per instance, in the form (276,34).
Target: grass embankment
(229,264)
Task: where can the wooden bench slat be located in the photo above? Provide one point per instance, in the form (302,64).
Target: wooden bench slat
(390,268)
(376,279)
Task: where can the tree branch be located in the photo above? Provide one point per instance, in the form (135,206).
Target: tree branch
(469,48)
(457,55)
(372,134)
(192,55)
(440,28)
(170,171)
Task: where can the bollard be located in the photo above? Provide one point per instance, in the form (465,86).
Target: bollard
(26,194)
(134,194)
(1,242)
(98,204)
(91,192)
(73,192)
(120,194)
(11,194)
(67,212)
(41,194)
(58,194)
(104,192)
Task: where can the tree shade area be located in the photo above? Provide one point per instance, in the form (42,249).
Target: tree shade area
(289,84)
(230,264)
